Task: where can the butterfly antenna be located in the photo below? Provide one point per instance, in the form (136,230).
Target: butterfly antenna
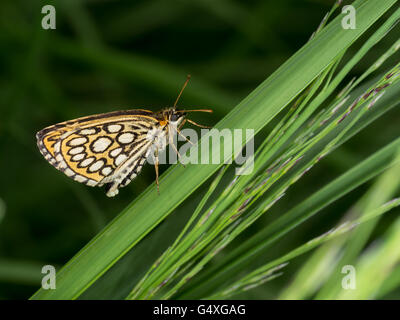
(183,88)
(197,110)
(198,125)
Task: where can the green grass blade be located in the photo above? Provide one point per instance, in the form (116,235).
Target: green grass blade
(376,264)
(324,263)
(256,245)
(254,278)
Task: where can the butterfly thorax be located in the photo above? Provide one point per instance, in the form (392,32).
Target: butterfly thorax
(170,116)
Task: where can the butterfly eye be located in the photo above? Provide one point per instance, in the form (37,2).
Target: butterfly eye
(174,117)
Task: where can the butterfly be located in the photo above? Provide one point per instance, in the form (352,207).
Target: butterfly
(110,149)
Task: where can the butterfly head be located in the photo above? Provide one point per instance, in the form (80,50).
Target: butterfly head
(176,117)
(172,116)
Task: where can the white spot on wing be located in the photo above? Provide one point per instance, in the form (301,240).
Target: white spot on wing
(101,144)
(69,172)
(86,162)
(115,152)
(62,165)
(96,166)
(57,146)
(106,171)
(112,128)
(91,183)
(80,179)
(78,157)
(121,158)
(126,138)
(77,141)
(76,150)
(88,131)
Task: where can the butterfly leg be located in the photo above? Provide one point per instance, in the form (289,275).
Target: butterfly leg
(112,189)
(156,162)
(178,131)
(171,142)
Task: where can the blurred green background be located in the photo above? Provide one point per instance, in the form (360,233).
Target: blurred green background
(110,55)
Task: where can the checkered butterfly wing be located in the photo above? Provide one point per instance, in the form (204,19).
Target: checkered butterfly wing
(106,149)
